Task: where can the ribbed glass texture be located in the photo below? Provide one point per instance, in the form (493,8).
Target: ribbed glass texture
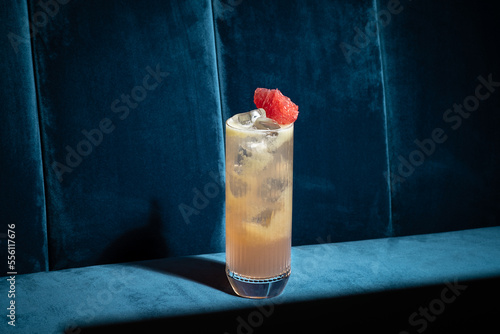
(259,182)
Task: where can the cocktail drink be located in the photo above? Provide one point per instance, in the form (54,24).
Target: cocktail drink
(259,182)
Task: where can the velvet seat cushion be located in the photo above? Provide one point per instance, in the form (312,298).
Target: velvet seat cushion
(378,283)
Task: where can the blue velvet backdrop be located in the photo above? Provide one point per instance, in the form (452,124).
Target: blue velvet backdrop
(22,199)
(340,153)
(443,136)
(129,101)
(122,103)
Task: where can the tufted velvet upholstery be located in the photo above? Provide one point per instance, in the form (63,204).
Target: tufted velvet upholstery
(122,104)
(339,140)
(22,197)
(434,55)
(141,83)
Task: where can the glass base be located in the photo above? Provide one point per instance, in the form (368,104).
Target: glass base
(257,288)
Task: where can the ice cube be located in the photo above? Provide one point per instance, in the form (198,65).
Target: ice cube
(272,188)
(264,123)
(264,217)
(256,113)
(247,119)
(252,156)
(243,153)
(244,119)
(237,186)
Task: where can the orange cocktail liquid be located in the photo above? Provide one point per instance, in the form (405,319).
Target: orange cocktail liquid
(259,182)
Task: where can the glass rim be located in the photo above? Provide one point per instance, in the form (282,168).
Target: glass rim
(285,127)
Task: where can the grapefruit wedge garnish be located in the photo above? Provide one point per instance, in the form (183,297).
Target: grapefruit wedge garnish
(277,106)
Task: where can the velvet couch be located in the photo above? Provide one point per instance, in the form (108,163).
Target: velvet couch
(112,170)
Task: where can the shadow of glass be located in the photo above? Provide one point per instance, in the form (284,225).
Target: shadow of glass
(145,247)
(198,269)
